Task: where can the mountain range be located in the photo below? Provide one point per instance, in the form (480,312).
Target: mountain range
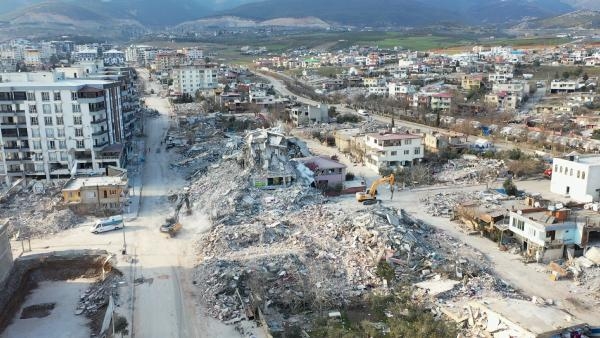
(118,16)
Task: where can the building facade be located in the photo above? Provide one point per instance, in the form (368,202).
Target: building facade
(93,194)
(577,176)
(190,79)
(389,150)
(53,129)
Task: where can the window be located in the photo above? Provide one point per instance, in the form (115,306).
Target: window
(48,120)
(60,132)
(393,153)
(409,141)
(51,145)
(77,120)
(73,96)
(417,151)
(64,156)
(45,96)
(37,145)
(35,132)
(79,144)
(583,175)
(47,108)
(49,132)
(561,169)
(76,108)
(58,108)
(62,144)
(34,120)
(556,168)
(30,96)
(60,120)
(56,96)
(33,109)
(78,132)
(52,157)
(571,172)
(407,152)
(578,173)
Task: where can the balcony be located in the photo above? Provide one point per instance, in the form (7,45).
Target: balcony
(13,160)
(100,132)
(99,121)
(101,145)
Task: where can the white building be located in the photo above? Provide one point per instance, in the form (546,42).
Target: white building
(565,86)
(308,114)
(190,79)
(193,53)
(85,55)
(113,58)
(577,176)
(53,129)
(385,150)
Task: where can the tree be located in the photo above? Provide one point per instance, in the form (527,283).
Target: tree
(509,187)
(585,76)
(120,326)
(566,75)
(596,134)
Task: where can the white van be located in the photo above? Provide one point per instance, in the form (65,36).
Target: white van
(108,224)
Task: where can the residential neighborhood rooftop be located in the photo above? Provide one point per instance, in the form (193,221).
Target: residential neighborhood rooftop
(77,183)
(394,136)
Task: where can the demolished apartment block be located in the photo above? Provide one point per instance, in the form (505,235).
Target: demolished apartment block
(269,153)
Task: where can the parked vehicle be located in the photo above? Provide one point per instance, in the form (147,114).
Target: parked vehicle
(108,224)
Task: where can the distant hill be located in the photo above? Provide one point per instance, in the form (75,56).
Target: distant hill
(235,22)
(584,4)
(403,12)
(579,19)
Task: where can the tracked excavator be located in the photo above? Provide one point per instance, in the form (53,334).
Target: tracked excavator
(172,224)
(369,197)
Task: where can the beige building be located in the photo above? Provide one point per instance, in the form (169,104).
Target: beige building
(437,141)
(95,194)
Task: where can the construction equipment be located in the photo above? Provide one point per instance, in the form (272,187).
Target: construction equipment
(369,197)
(172,225)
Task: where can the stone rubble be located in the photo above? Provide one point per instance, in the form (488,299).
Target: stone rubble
(34,215)
(467,171)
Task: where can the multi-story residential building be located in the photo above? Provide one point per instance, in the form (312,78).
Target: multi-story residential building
(438,141)
(193,54)
(32,57)
(55,128)
(113,58)
(85,55)
(441,101)
(389,150)
(577,176)
(308,114)
(327,172)
(565,86)
(471,82)
(190,79)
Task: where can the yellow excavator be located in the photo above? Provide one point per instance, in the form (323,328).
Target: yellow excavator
(369,197)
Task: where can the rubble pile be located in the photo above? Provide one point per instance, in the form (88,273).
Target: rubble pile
(319,255)
(36,213)
(443,203)
(470,171)
(97,295)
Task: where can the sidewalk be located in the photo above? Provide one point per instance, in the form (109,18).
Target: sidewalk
(134,172)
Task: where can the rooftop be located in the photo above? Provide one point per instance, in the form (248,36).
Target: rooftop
(393,136)
(322,162)
(76,184)
(530,317)
(589,160)
(59,83)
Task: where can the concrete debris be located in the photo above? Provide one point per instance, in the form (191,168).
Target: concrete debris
(96,297)
(466,171)
(593,254)
(35,215)
(443,203)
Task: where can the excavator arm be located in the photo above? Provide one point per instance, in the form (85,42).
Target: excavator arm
(372,192)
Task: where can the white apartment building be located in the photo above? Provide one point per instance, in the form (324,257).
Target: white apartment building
(577,176)
(56,128)
(190,79)
(193,53)
(565,86)
(389,150)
